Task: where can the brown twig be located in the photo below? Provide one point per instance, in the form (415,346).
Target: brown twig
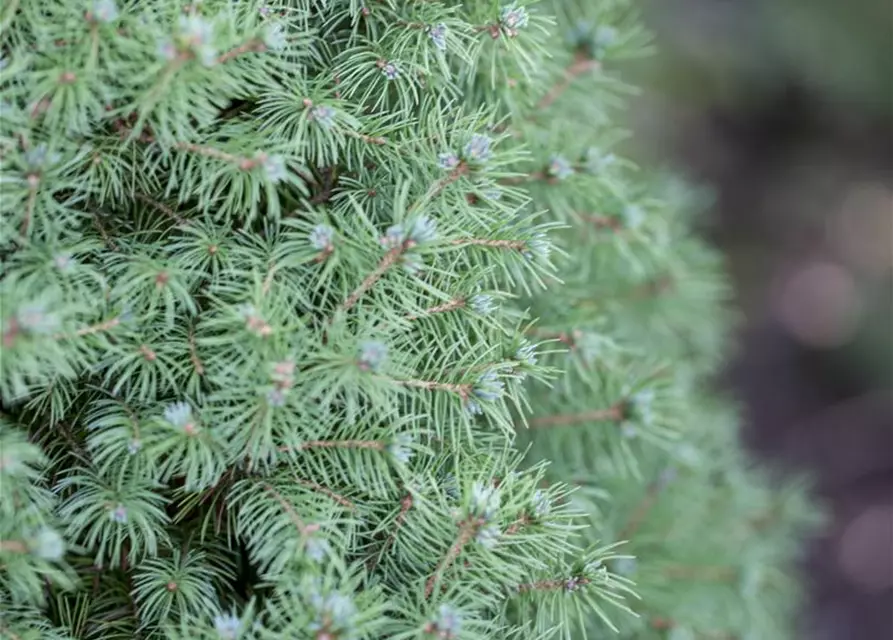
(467,532)
(517,525)
(13,546)
(405,506)
(666,624)
(11,333)
(211,152)
(376,445)
(33,181)
(386,263)
(411,25)
(344,502)
(193,354)
(104,233)
(96,328)
(462,390)
(10,633)
(567,338)
(580,65)
(163,208)
(705,573)
(303,529)
(536,176)
(452,305)
(134,421)
(611,414)
(253,46)
(641,511)
(329,181)
(364,137)
(662,624)
(323,255)
(395,253)
(518,245)
(652,288)
(440,185)
(552,585)
(604,222)
(268,279)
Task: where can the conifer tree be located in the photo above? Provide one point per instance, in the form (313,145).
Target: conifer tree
(333,319)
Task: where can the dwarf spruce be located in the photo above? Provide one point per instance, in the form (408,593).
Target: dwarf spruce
(343,319)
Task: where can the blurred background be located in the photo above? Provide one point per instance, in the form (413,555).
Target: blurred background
(784,108)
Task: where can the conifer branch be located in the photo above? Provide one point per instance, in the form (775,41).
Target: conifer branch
(611,414)
(651,289)
(13,546)
(701,573)
(467,531)
(344,502)
(567,338)
(642,510)
(323,255)
(11,333)
(604,222)
(364,137)
(412,25)
(462,390)
(8,632)
(303,529)
(518,245)
(376,445)
(94,40)
(210,152)
(452,305)
(581,64)
(667,624)
(559,584)
(268,279)
(163,208)
(100,327)
(9,14)
(128,577)
(390,259)
(210,123)
(157,90)
(308,104)
(662,624)
(405,506)
(33,182)
(252,46)
(517,525)
(134,421)
(541,176)
(325,193)
(461,170)
(536,176)
(65,430)
(493,30)
(97,224)
(193,354)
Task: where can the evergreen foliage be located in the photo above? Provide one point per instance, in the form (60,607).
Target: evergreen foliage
(335,319)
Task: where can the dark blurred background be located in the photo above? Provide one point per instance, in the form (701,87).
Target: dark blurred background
(784,108)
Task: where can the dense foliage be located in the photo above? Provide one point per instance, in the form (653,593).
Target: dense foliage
(328,319)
